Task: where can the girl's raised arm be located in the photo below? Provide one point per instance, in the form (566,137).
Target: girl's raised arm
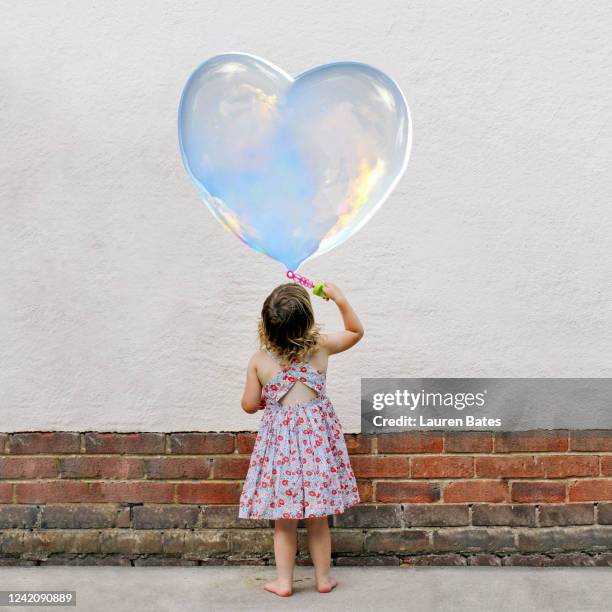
(353,329)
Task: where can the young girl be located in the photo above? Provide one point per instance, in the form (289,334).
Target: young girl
(299,466)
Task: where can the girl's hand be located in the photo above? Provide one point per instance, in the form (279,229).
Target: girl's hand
(332,292)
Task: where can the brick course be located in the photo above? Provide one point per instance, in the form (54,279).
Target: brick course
(535,498)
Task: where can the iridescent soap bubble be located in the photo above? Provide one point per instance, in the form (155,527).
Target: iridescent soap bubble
(292,167)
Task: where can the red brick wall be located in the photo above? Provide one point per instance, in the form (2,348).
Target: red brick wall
(535,497)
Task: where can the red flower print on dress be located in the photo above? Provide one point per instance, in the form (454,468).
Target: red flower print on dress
(306,439)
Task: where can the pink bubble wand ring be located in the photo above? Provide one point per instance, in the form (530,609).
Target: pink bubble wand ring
(317,288)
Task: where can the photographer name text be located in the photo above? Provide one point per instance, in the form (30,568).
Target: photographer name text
(422,421)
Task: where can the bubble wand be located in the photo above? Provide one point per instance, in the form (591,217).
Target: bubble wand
(317,288)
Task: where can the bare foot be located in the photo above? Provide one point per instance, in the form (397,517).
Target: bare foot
(325,585)
(278,588)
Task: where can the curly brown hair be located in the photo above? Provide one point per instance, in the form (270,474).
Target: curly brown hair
(287,326)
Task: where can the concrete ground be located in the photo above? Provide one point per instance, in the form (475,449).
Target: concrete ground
(183,589)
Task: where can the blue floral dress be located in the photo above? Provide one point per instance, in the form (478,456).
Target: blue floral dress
(299,466)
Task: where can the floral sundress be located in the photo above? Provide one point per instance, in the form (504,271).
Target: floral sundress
(299,466)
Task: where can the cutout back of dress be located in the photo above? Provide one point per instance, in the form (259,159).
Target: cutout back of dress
(294,385)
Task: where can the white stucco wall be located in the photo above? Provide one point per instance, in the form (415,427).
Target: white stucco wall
(126,307)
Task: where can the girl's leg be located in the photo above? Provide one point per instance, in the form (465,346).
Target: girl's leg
(319,545)
(285,547)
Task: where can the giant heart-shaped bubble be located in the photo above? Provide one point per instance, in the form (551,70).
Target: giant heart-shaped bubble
(292,167)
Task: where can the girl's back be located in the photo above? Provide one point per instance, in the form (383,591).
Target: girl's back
(311,369)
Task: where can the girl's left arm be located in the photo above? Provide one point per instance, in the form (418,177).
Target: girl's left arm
(251,397)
